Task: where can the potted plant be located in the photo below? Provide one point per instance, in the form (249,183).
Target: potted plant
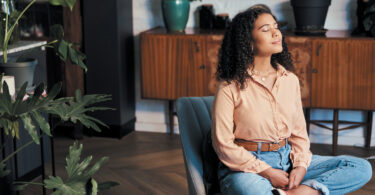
(29,112)
(175,14)
(310,16)
(23,69)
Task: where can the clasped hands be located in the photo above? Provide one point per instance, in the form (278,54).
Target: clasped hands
(283,180)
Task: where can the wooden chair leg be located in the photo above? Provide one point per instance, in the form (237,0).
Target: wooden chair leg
(335,131)
(368,129)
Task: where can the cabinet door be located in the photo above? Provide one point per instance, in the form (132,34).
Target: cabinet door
(164,60)
(300,49)
(197,76)
(343,71)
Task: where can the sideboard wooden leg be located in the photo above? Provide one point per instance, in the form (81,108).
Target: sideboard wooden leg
(307,119)
(335,131)
(171,116)
(368,129)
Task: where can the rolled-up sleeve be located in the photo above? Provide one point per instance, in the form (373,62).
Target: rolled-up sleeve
(299,140)
(234,157)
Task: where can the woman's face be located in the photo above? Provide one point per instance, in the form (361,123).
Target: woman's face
(267,37)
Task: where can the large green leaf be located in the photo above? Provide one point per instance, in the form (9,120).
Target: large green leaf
(79,174)
(77,57)
(43,124)
(65,3)
(64,188)
(76,109)
(91,187)
(62,49)
(57,31)
(107,185)
(67,51)
(30,127)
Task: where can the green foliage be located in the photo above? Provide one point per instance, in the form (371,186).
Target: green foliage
(75,109)
(67,50)
(64,49)
(12,19)
(3,170)
(107,185)
(65,3)
(30,111)
(79,173)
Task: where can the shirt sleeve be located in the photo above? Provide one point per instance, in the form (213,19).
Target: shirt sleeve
(299,140)
(233,156)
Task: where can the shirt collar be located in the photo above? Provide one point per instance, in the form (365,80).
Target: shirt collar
(281,70)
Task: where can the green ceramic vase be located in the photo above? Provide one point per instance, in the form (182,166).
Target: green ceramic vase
(175,14)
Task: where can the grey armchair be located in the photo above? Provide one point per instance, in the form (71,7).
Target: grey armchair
(194,119)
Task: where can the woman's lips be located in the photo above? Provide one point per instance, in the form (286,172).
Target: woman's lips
(276,42)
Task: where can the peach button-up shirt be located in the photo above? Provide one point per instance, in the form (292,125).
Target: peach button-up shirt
(260,115)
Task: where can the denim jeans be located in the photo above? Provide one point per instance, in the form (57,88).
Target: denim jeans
(328,174)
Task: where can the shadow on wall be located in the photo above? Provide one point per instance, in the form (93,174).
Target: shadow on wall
(285,14)
(156,17)
(351,10)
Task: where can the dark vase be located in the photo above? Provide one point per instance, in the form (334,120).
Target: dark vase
(175,14)
(221,21)
(206,16)
(22,71)
(310,15)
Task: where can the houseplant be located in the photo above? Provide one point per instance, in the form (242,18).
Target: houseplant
(29,112)
(310,16)
(175,14)
(23,69)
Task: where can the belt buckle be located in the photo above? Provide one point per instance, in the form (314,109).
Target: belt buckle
(278,144)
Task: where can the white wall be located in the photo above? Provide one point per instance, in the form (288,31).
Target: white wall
(152,115)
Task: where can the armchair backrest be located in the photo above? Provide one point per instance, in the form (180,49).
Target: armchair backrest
(194,119)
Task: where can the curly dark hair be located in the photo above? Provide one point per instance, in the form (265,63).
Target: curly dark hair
(236,53)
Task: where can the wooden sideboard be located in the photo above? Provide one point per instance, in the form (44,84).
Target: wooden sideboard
(335,71)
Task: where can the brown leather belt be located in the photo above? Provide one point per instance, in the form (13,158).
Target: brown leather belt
(266,147)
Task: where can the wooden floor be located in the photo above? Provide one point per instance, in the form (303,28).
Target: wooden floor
(152,163)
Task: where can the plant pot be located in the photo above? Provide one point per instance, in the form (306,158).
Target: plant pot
(175,14)
(22,71)
(310,15)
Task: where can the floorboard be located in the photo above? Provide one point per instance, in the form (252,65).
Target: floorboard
(152,163)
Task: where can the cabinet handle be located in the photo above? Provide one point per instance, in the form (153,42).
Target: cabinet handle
(318,49)
(196,46)
(314,70)
(202,67)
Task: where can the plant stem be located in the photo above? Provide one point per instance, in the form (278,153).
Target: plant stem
(19,149)
(9,33)
(24,146)
(32,49)
(25,182)
(5,45)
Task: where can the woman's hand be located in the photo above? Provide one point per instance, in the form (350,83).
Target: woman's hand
(296,176)
(278,178)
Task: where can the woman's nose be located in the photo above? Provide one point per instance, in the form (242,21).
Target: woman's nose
(276,33)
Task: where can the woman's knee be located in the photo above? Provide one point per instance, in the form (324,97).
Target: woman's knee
(361,166)
(245,183)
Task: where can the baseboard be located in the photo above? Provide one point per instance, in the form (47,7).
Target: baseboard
(31,174)
(115,131)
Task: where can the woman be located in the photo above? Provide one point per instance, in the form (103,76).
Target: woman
(258,127)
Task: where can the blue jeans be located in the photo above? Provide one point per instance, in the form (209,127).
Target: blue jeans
(328,174)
